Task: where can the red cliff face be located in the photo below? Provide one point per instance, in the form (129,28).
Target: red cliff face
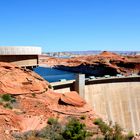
(98,65)
(26,102)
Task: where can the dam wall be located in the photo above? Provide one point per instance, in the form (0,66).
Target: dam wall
(116,102)
(114,99)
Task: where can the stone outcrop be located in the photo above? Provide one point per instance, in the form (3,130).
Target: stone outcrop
(26,102)
(14,80)
(98,65)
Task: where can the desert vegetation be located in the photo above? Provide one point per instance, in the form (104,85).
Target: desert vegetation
(112,132)
(7,100)
(75,130)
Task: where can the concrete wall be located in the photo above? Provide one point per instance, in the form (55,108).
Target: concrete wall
(118,102)
(20,60)
(116,99)
(63,87)
(62,90)
(20,50)
(24,56)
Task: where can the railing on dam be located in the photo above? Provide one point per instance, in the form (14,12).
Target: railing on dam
(71,83)
(115,98)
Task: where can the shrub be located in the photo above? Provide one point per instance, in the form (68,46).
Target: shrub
(105,129)
(52,131)
(8,98)
(52,121)
(7,105)
(75,130)
(97,121)
(112,132)
(130,135)
(117,134)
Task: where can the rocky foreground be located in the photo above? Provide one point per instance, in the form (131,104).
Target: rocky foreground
(106,63)
(27,102)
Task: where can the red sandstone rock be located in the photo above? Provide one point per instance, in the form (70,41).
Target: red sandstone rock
(35,102)
(14,80)
(72,98)
(112,62)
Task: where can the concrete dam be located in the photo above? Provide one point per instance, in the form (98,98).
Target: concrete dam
(114,99)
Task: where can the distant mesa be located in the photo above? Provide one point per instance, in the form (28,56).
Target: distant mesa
(105,63)
(106,53)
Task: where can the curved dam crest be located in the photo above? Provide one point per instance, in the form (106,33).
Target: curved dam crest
(116,100)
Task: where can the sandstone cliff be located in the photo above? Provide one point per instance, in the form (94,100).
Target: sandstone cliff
(98,65)
(26,102)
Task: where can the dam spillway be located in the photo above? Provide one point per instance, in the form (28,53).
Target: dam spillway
(116,100)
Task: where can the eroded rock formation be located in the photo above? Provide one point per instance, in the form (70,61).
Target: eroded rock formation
(98,65)
(26,102)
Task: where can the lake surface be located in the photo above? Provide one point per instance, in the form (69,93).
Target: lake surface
(54,75)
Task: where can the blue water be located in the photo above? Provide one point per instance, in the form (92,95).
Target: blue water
(54,75)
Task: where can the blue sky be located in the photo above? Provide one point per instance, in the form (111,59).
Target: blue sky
(71,25)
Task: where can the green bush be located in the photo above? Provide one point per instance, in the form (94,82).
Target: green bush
(75,130)
(130,135)
(117,134)
(112,132)
(52,131)
(8,98)
(52,121)
(7,105)
(97,121)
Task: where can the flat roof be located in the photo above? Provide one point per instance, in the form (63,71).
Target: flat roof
(20,50)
